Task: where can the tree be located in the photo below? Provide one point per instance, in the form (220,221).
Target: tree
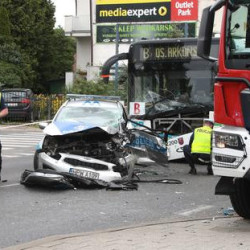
(62,56)
(4,22)
(98,87)
(82,86)
(48,52)
(31,25)
(13,64)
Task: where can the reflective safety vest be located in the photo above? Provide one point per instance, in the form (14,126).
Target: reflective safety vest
(202,140)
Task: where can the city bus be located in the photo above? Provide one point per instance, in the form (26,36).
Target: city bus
(170,88)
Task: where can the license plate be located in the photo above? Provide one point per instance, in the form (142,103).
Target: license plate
(84,173)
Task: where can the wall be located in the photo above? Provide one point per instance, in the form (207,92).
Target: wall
(83,7)
(83,57)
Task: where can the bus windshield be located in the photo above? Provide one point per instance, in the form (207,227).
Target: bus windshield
(238,37)
(185,82)
(175,76)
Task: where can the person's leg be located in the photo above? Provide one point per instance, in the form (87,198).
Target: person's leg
(0,159)
(207,158)
(189,158)
(209,168)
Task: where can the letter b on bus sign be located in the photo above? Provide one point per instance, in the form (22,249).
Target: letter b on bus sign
(137,108)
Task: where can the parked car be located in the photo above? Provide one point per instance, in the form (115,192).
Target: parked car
(20,102)
(90,139)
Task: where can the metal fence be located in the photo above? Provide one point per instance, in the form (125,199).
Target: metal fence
(44,107)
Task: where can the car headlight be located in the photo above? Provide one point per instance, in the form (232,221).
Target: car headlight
(223,140)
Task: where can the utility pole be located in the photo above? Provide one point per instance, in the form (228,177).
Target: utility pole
(91,33)
(116,52)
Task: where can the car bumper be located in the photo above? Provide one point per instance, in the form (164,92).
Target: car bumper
(228,161)
(80,166)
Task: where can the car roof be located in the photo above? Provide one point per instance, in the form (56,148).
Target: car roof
(91,103)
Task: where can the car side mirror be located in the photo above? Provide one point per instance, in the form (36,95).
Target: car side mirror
(43,125)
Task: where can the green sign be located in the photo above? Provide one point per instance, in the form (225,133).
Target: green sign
(128,33)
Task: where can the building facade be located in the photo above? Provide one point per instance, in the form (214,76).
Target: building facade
(103,28)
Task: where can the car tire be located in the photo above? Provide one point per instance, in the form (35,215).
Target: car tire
(240,199)
(35,161)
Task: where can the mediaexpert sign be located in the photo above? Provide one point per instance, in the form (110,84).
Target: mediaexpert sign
(128,33)
(132,11)
(145,10)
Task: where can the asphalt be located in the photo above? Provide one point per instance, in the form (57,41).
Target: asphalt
(218,233)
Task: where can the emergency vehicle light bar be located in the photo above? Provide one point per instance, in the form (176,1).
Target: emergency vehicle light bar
(92,97)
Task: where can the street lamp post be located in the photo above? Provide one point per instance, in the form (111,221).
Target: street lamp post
(116,52)
(91,33)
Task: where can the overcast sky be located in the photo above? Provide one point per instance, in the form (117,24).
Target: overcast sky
(63,8)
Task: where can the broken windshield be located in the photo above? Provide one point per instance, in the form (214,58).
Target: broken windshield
(95,115)
(183,83)
(156,104)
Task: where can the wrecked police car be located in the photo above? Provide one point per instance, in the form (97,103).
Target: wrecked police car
(89,139)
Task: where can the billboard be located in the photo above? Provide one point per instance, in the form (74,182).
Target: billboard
(183,10)
(128,33)
(146,10)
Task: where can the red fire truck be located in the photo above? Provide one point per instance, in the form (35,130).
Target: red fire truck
(231,137)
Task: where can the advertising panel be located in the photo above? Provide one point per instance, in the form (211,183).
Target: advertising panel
(183,10)
(129,33)
(146,10)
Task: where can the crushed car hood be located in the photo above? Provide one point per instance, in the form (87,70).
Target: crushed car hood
(69,127)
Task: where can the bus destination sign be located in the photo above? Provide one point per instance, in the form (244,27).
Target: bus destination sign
(155,53)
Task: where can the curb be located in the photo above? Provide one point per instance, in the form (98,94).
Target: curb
(57,240)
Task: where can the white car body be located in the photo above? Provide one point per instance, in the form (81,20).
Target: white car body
(93,143)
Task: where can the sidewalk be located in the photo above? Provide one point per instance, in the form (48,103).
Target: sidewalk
(227,233)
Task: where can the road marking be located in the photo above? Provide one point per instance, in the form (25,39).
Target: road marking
(28,138)
(25,133)
(10,156)
(17,155)
(17,144)
(196,210)
(23,138)
(25,142)
(10,185)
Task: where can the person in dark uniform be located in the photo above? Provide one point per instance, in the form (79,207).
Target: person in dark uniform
(3,112)
(199,148)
